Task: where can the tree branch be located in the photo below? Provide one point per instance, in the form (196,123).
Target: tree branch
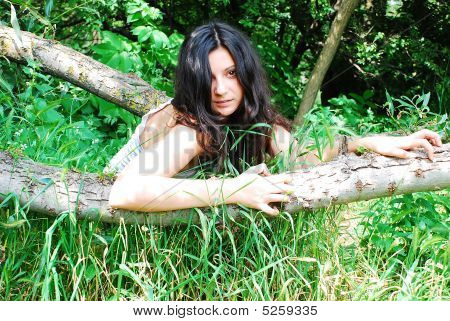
(126,90)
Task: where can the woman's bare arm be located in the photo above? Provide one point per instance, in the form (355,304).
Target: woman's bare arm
(384,145)
(158,193)
(146,183)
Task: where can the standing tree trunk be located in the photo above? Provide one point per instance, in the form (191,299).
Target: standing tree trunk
(345,10)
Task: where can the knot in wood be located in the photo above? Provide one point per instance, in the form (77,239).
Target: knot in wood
(345,170)
(419,173)
(359,185)
(112,211)
(392,186)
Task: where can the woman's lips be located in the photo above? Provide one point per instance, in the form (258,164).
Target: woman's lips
(223,103)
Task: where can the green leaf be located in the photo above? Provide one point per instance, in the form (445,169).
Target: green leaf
(46,112)
(175,40)
(134,17)
(15,24)
(48,8)
(114,62)
(122,61)
(126,64)
(390,104)
(159,39)
(13,224)
(368,94)
(144,35)
(118,42)
(104,49)
(40,104)
(90,272)
(7,86)
(106,108)
(44,88)
(52,116)
(143,32)
(155,13)
(426,99)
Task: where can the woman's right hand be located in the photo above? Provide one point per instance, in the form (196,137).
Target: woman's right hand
(256,191)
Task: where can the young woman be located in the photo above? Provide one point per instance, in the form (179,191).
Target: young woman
(221,112)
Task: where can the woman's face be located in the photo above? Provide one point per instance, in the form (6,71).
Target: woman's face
(226,90)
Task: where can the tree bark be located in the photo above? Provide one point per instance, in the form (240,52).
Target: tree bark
(52,191)
(326,57)
(126,90)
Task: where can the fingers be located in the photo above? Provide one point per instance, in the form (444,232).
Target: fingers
(400,153)
(260,169)
(282,189)
(278,184)
(272,211)
(273,198)
(425,144)
(280,178)
(277,198)
(429,135)
(412,143)
(263,170)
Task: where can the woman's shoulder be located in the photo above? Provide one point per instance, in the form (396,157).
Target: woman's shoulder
(280,140)
(165,121)
(169,116)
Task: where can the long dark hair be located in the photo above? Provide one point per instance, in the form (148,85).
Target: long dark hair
(217,134)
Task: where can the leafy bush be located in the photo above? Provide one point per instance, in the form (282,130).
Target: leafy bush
(410,227)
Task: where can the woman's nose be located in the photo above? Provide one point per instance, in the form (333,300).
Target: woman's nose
(220,88)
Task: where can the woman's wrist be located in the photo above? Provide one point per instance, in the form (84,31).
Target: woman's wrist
(354,144)
(223,191)
(232,190)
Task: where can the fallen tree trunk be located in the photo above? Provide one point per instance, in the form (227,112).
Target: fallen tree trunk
(50,190)
(126,90)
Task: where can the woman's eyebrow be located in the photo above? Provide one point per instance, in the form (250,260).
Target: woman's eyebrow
(231,67)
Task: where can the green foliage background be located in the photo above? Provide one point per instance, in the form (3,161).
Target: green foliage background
(389,74)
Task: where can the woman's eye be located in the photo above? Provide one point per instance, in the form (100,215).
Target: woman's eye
(232,73)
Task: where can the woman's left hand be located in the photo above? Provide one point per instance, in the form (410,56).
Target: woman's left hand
(399,146)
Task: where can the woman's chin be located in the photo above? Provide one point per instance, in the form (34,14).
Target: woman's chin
(225,112)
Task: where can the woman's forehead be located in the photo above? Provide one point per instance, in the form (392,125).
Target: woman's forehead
(220,59)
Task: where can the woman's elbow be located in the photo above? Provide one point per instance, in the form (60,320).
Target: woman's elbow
(130,192)
(119,197)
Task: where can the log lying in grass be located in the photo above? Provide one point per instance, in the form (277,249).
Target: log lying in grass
(126,90)
(51,190)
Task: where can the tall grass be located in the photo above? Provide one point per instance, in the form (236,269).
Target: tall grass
(289,258)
